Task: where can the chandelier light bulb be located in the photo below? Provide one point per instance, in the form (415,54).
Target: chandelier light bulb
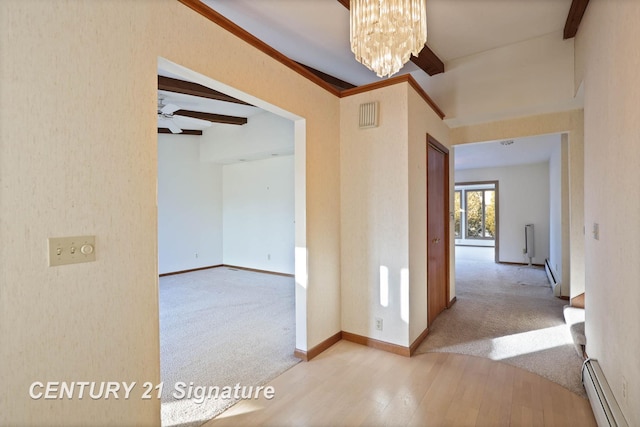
(385,33)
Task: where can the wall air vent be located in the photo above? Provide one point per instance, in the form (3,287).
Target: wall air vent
(368,115)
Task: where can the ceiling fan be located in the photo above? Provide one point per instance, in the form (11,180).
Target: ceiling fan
(176,123)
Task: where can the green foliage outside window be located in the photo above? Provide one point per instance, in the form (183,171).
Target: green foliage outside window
(474,214)
(489,214)
(480,214)
(457,214)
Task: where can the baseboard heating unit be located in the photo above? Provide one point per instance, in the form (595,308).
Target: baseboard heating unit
(555,285)
(605,408)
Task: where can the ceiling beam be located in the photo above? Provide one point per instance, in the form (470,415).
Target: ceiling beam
(333,81)
(210,117)
(576,12)
(427,60)
(184,131)
(189,88)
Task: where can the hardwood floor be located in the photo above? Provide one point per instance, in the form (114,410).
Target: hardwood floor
(350,385)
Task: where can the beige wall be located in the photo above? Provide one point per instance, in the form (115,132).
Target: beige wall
(78,156)
(249,70)
(608,48)
(374,212)
(518,127)
(383,205)
(566,218)
(575,147)
(423,120)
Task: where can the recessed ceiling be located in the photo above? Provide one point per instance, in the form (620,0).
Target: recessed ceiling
(492,154)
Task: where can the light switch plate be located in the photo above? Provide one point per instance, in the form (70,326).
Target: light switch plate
(71,250)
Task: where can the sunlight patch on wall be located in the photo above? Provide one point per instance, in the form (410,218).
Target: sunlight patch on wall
(404,295)
(384,286)
(301,262)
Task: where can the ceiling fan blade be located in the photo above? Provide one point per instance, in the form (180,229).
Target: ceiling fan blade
(168,123)
(169,109)
(173,127)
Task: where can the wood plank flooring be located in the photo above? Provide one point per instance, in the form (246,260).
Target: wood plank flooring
(353,385)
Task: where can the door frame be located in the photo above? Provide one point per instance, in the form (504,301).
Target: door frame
(496,183)
(431,141)
(301,252)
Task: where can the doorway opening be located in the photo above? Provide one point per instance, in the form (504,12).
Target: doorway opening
(266,183)
(522,321)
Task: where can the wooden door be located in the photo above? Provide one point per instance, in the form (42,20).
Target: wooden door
(437,228)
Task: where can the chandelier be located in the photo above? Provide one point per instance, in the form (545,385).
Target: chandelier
(385,33)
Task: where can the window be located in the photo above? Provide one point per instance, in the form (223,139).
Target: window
(475,212)
(457,214)
(490,214)
(480,214)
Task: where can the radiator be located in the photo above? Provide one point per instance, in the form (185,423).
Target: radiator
(605,408)
(555,285)
(528,241)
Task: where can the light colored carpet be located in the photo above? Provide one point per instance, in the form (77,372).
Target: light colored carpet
(220,327)
(507,313)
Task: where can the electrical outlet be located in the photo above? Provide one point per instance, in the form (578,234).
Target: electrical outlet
(268,257)
(196,254)
(596,231)
(625,389)
(378,323)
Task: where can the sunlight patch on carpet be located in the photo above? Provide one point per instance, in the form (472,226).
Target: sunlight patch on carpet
(529,342)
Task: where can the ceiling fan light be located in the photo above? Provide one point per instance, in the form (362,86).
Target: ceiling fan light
(385,33)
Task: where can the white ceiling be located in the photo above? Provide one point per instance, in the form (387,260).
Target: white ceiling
(227,150)
(492,154)
(316,32)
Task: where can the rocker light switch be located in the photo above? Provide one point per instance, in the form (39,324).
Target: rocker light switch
(71,250)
